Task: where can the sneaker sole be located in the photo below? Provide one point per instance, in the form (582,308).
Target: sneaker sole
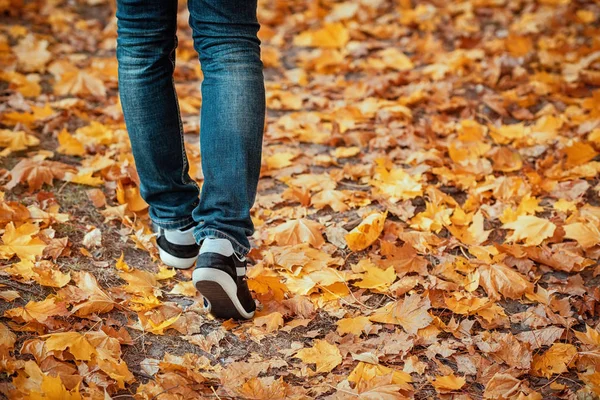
(221,292)
(175,262)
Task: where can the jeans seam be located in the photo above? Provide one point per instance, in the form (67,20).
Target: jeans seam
(184,159)
(237,247)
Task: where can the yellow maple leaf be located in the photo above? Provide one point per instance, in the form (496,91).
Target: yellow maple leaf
(345,152)
(27,118)
(140,282)
(96,300)
(48,274)
(84,177)
(335,199)
(52,388)
(27,85)
(579,153)
(433,219)
(499,279)
(69,145)
(121,265)
(264,388)
(367,232)
(263,280)
(280,160)
(476,233)
(592,380)
(272,321)
(555,360)
(530,228)
(565,205)
(410,313)
(16,141)
(77,344)
(7,337)
(38,311)
(586,234)
(332,35)
(355,326)
(365,372)
(591,337)
(298,231)
(508,133)
(396,184)
(95,133)
(186,288)
(32,54)
(376,278)
(82,82)
(165,273)
(391,58)
(131,196)
(21,242)
(159,329)
(117,370)
(324,355)
(448,383)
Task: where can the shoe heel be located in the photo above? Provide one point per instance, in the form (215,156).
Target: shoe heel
(175,262)
(221,292)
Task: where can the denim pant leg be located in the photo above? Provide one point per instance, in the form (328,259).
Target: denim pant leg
(146,54)
(233,114)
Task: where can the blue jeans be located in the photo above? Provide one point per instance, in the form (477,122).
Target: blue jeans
(233,113)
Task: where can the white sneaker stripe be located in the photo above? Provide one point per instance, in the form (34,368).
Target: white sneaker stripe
(181,238)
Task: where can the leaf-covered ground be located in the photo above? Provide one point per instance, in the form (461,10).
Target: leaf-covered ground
(427,220)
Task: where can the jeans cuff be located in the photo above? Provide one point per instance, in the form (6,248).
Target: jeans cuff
(173,224)
(239,249)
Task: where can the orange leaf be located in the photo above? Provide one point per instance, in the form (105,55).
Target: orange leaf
(332,35)
(555,360)
(326,356)
(21,242)
(448,383)
(367,232)
(298,231)
(77,344)
(38,311)
(272,321)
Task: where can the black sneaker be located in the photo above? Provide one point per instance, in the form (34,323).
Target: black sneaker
(222,281)
(177,248)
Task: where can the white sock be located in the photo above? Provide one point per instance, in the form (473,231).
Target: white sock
(220,246)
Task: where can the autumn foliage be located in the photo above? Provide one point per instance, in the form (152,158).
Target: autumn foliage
(428,217)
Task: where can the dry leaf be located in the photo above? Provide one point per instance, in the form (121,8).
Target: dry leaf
(410,313)
(367,232)
(324,355)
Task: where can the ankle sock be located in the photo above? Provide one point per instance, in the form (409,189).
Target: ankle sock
(217,245)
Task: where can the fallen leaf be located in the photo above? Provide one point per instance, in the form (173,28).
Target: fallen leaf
(298,231)
(410,313)
(367,232)
(531,229)
(324,355)
(555,360)
(448,383)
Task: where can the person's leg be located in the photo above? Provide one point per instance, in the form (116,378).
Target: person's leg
(146,54)
(232,117)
